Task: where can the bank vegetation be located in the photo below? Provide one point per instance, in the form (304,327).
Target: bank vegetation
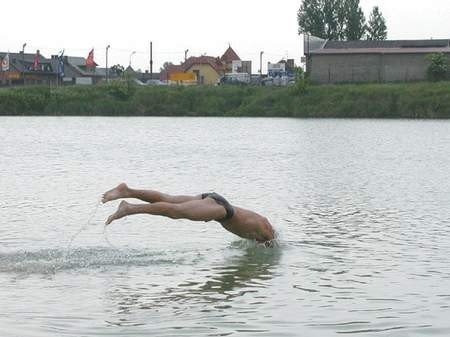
(405,100)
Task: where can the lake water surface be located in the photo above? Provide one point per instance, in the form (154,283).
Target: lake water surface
(362,208)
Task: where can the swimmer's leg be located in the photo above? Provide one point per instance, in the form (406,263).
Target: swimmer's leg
(195,210)
(123,191)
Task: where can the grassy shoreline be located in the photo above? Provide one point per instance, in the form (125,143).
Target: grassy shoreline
(405,100)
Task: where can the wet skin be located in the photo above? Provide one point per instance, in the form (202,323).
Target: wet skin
(244,223)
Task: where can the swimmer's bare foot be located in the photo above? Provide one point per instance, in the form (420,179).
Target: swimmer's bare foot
(118,192)
(120,213)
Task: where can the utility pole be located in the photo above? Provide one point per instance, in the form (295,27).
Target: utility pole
(107,71)
(260,63)
(307,56)
(23,63)
(151,60)
(57,69)
(134,52)
(1,70)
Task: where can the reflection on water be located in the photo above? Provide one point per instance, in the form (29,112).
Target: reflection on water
(249,269)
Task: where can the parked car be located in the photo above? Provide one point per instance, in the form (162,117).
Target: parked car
(279,81)
(268,81)
(138,82)
(235,78)
(155,82)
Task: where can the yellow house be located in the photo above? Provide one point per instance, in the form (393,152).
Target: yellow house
(207,69)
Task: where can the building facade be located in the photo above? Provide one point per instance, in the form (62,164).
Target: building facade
(30,69)
(207,69)
(35,69)
(77,72)
(370,61)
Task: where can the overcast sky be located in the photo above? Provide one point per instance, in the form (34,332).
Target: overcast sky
(202,26)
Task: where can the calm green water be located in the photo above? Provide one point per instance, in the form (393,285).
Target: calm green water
(362,207)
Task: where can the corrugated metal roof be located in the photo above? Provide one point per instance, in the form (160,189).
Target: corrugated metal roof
(364,44)
(380,51)
(384,47)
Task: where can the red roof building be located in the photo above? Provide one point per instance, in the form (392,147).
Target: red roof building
(207,69)
(170,69)
(214,62)
(228,57)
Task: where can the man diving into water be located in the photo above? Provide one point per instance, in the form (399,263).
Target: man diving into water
(205,207)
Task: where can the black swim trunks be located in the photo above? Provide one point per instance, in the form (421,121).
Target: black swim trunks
(221,201)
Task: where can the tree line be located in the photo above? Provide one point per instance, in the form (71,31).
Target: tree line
(340,20)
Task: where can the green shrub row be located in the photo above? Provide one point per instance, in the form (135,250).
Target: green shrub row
(405,100)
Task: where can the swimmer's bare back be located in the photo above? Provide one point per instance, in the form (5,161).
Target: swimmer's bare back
(206,207)
(249,225)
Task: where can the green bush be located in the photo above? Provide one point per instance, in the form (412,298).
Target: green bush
(438,70)
(301,81)
(20,100)
(121,89)
(404,100)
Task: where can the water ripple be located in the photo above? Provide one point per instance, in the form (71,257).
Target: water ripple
(361,208)
(53,260)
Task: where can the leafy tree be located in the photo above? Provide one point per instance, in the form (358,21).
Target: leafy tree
(322,18)
(333,19)
(117,69)
(341,16)
(165,66)
(337,20)
(310,18)
(376,29)
(438,70)
(355,21)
